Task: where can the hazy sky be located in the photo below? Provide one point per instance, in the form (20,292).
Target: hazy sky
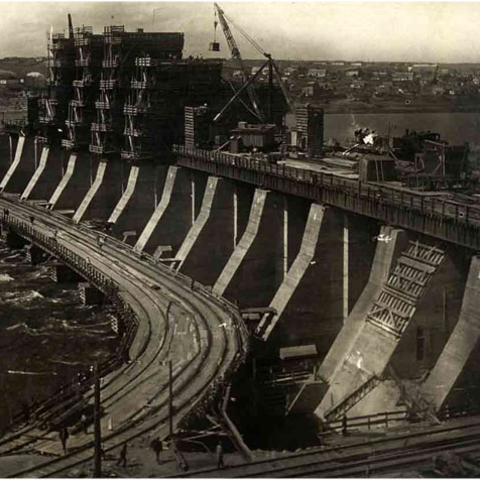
(381,31)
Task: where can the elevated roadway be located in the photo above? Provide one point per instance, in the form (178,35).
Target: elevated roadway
(426,212)
(201,334)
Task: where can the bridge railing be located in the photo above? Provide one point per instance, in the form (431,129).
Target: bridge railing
(123,311)
(366,198)
(367,421)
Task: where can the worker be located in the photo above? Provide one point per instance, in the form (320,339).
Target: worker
(344,425)
(157,446)
(63,438)
(84,421)
(219,454)
(122,460)
(181,463)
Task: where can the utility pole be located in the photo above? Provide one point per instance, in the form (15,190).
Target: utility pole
(170,399)
(96,423)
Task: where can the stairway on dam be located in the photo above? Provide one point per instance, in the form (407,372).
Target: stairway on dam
(388,315)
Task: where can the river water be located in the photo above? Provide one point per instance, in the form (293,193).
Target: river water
(47,336)
(456,128)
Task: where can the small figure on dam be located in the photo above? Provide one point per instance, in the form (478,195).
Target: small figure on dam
(84,422)
(63,434)
(219,454)
(122,459)
(157,446)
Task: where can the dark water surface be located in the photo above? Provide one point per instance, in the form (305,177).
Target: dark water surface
(456,128)
(46,335)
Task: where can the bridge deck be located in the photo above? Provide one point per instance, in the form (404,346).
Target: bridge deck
(426,212)
(200,335)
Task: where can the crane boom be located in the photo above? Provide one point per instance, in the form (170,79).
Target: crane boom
(70,26)
(232,44)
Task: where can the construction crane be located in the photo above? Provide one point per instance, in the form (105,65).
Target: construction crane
(248,81)
(70,27)
(238,58)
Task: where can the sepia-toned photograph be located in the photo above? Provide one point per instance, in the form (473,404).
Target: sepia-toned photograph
(239,239)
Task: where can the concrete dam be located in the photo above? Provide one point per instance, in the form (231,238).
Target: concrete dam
(333,296)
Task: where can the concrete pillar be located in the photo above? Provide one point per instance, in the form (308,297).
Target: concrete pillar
(294,276)
(61,273)
(388,318)
(461,344)
(104,192)
(23,166)
(309,303)
(47,176)
(75,183)
(436,316)
(255,268)
(346,270)
(173,216)
(8,145)
(386,253)
(136,207)
(210,242)
(14,241)
(90,295)
(360,242)
(36,255)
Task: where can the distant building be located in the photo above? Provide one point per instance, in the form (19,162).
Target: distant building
(379,74)
(402,76)
(338,64)
(357,84)
(317,72)
(311,90)
(256,69)
(424,70)
(352,73)
(384,88)
(290,71)
(438,90)
(356,64)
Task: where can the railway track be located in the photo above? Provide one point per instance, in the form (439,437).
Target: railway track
(395,453)
(148,289)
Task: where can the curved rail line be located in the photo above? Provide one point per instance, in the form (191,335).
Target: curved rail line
(213,343)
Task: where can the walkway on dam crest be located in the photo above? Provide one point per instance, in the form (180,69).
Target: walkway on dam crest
(203,335)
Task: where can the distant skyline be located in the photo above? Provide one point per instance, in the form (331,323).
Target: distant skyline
(444,32)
